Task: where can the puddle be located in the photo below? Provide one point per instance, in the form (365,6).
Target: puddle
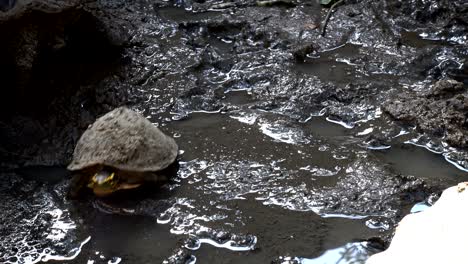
(324,128)
(415,39)
(181,15)
(333,65)
(44,173)
(403,158)
(242,184)
(238,97)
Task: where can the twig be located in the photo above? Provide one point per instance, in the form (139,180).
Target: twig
(325,22)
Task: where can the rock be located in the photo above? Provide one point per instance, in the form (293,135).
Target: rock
(445,87)
(436,235)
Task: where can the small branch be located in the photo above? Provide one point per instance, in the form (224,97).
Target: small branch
(325,22)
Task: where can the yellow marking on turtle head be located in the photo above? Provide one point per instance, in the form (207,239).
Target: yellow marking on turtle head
(98,178)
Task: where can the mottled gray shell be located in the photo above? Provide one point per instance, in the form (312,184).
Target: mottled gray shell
(125,140)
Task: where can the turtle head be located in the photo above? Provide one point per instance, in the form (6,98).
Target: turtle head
(104,182)
(107,181)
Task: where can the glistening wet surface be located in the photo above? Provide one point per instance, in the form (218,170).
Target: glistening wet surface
(244,193)
(280,161)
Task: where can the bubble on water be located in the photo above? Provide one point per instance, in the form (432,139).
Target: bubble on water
(354,196)
(341,123)
(220,239)
(178,117)
(61,225)
(317,171)
(323,148)
(347,216)
(427,143)
(458,159)
(246,118)
(188,224)
(72,254)
(378,223)
(339,156)
(193,167)
(35,228)
(186,219)
(454,156)
(233,180)
(376,146)
(350,115)
(365,131)
(401,133)
(179,216)
(101,258)
(114,260)
(283,134)
(375,143)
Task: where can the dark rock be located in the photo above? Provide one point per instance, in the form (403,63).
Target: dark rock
(6,5)
(445,88)
(53,54)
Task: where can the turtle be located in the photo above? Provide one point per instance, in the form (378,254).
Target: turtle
(120,150)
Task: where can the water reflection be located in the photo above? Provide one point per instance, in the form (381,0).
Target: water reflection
(351,253)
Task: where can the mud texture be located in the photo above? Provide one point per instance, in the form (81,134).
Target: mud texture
(292,145)
(440,110)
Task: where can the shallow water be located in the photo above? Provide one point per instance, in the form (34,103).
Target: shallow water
(278,162)
(237,197)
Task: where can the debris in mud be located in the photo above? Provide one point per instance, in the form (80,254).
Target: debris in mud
(179,256)
(301,51)
(331,9)
(439,110)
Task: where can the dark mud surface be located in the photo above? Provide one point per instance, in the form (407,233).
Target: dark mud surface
(294,148)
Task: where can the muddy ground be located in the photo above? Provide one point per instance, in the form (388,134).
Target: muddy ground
(294,146)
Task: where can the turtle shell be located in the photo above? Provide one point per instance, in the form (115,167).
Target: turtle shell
(125,140)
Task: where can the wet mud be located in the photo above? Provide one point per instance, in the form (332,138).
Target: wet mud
(294,148)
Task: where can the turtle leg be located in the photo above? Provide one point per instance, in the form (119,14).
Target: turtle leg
(76,187)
